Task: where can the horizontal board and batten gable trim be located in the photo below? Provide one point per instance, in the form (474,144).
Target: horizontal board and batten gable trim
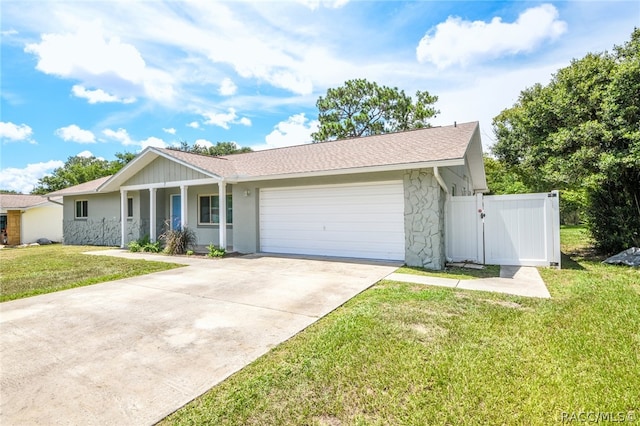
(162,170)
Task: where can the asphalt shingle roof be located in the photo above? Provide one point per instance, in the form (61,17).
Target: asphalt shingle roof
(20,201)
(415,146)
(431,144)
(83,188)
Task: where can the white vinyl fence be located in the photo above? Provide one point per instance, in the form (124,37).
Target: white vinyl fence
(522,229)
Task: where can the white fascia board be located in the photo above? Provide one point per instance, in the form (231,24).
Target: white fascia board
(138,163)
(355,170)
(173,184)
(126,172)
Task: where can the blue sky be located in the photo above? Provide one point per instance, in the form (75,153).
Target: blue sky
(101,77)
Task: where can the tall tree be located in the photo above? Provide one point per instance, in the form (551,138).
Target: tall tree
(582,132)
(220,148)
(77,170)
(363,108)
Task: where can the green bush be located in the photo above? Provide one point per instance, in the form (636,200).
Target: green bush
(152,247)
(178,241)
(613,217)
(134,246)
(215,251)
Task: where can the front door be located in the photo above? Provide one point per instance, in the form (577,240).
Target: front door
(175,211)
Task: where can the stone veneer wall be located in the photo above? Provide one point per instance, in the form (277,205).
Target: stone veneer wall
(92,232)
(423,220)
(102,232)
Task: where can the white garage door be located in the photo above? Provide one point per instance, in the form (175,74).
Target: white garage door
(352,220)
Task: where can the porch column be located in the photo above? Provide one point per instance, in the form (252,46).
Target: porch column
(152,214)
(183,206)
(222,196)
(123,217)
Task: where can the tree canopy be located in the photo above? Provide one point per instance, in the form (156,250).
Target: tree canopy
(582,132)
(363,108)
(220,148)
(78,170)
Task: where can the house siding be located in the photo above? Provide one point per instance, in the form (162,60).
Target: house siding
(42,222)
(100,228)
(163,170)
(424,220)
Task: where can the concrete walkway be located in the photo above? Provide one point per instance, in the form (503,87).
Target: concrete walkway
(516,280)
(129,352)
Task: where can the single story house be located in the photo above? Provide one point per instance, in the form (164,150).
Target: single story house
(375,197)
(26,218)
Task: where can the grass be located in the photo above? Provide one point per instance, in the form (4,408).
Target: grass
(454,272)
(37,270)
(407,354)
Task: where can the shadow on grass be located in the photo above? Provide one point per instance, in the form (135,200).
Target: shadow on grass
(569,263)
(488,271)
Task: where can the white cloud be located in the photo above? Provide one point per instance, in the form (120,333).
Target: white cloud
(227,87)
(24,180)
(245,121)
(296,130)
(108,62)
(203,143)
(153,141)
(85,154)
(15,132)
(73,133)
(120,135)
(460,42)
(8,33)
(87,52)
(98,96)
(170,130)
(225,119)
(331,4)
(194,125)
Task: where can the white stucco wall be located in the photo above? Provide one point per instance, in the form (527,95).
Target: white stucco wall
(42,222)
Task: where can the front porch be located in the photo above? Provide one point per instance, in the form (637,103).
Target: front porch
(150,210)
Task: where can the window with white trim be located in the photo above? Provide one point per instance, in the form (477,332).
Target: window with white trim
(82,209)
(209,209)
(129,207)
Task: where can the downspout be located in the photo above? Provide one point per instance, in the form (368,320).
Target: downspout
(436,173)
(54,202)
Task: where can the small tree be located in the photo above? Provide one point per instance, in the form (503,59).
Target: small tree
(363,108)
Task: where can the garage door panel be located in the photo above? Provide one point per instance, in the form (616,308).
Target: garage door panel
(359,220)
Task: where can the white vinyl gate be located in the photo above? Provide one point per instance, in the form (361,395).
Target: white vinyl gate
(522,229)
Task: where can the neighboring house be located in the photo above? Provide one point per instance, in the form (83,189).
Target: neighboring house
(376,197)
(27,218)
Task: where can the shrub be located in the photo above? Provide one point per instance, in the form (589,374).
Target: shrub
(178,241)
(134,246)
(215,251)
(152,247)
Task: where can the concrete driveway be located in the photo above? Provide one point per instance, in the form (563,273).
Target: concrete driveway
(134,350)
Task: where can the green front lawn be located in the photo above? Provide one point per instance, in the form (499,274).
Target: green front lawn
(36,270)
(409,354)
